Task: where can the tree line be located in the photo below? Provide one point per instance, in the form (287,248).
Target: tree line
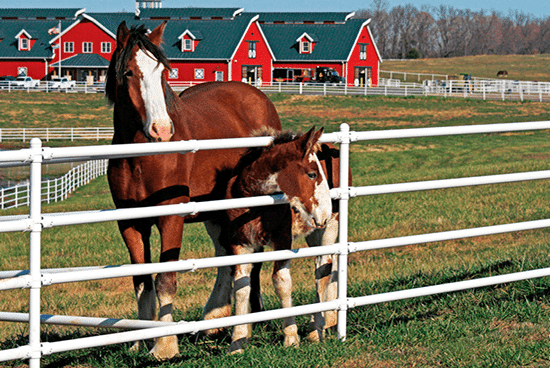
(406,31)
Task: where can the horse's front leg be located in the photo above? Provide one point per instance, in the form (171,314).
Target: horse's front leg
(326,282)
(170,228)
(282,281)
(136,235)
(241,287)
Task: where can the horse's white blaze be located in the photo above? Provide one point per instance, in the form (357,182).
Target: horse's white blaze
(158,125)
(322,210)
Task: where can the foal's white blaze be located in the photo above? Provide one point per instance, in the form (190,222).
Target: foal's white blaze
(158,125)
(322,210)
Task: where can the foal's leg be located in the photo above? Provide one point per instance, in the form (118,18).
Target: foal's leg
(219,303)
(170,228)
(282,281)
(136,235)
(326,271)
(241,277)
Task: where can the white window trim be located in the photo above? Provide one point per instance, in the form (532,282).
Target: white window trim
(26,47)
(173,73)
(199,73)
(105,46)
(305,47)
(84,47)
(191,44)
(68,47)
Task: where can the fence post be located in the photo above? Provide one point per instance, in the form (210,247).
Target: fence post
(34,252)
(343,231)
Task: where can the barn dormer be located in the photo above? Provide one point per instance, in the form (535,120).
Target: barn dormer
(306,43)
(24,41)
(189,40)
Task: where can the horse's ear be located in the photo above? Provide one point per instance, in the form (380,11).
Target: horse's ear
(308,141)
(156,35)
(122,35)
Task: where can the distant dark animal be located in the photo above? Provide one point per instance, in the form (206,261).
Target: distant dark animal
(146,109)
(502,73)
(289,166)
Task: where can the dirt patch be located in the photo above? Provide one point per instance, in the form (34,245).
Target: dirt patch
(387,148)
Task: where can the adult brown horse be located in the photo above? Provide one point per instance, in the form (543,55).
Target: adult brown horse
(146,109)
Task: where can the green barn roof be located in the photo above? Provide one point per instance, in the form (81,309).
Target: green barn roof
(38,13)
(333,42)
(37,29)
(189,13)
(83,61)
(297,18)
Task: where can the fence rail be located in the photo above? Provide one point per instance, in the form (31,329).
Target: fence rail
(36,222)
(486,89)
(53,190)
(48,134)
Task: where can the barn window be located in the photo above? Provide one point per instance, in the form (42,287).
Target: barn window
(363,51)
(252,49)
(187,44)
(173,73)
(305,47)
(199,73)
(106,47)
(24,43)
(87,47)
(68,46)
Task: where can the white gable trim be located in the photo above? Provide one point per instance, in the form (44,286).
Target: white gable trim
(187,32)
(306,36)
(21,33)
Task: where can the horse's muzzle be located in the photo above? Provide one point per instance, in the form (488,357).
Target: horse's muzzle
(161,131)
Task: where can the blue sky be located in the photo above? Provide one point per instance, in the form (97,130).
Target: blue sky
(539,8)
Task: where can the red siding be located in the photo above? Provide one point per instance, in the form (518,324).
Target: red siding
(36,69)
(263,57)
(371,61)
(186,71)
(84,31)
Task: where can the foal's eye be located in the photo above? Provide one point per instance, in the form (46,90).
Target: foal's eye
(128,73)
(312,175)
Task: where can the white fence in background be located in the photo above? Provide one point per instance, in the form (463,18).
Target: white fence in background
(36,222)
(486,89)
(48,134)
(47,86)
(53,190)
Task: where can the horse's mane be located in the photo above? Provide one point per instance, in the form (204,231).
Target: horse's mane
(253,153)
(137,36)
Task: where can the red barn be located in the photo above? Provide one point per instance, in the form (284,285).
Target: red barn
(202,44)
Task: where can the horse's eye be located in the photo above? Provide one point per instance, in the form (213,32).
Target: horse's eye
(312,175)
(128,73)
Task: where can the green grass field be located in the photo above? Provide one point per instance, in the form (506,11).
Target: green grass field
(519,67)
(502,326)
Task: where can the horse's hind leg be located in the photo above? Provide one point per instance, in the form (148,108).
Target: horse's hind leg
(325,279)
(282,281)
(170,228)
(219,303)
(136,236)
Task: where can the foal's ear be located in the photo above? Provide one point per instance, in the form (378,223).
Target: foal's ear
(122,35)
(309,140)
(156,35)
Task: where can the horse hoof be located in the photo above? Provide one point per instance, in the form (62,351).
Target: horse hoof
(236,346)
(292,340)
(315,336)
(165,348)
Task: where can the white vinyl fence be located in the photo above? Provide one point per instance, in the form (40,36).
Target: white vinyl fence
(35,278)
(486,89)
(53,190)
(48,134)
